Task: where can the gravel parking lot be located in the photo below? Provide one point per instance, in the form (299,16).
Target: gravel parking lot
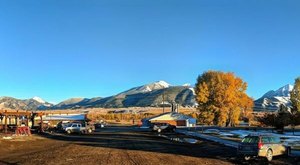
(118,145)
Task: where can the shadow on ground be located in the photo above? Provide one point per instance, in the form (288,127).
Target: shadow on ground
(129,138)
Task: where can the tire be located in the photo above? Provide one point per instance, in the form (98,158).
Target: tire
(69,131)
(247,158)
(269,155)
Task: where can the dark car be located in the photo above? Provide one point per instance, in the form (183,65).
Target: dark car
(262,146)
(166,127)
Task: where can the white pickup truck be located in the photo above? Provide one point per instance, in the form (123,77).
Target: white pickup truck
(79,128)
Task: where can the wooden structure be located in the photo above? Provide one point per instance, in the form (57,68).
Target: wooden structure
(8,115)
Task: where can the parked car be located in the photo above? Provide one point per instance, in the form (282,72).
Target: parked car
(100,124)
(65,125)
(159,127)
(262,146)
(79,128)
(61,126)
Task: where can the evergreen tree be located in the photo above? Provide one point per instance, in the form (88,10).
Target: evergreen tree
(295,96)
(278,120)
(295,100)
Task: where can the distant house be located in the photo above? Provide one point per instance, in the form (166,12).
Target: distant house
(173,118)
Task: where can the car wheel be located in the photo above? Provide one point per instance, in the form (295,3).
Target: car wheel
(269,155)
(69,131)
(247,158)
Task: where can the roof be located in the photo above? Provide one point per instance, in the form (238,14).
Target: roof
(170,116)
(65,117)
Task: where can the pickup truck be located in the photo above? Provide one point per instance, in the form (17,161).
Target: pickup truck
(79,128)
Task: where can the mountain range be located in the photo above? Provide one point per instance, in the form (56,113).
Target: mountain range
(155,94)
(34,103)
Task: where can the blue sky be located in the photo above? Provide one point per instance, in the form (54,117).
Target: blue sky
(59,49)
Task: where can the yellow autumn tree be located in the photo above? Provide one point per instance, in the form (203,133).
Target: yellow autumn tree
(222,98)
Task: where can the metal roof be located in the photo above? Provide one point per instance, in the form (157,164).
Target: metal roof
(171,116)
(65,117)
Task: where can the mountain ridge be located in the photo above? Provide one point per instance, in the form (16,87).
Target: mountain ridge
(272,100)
(151,94)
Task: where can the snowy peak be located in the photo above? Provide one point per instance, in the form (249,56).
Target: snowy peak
(159,85)
(154,86)
(38,99)
(35,103)
(147,88)
(186,85)
(272,100)
(285,90)
(281,92)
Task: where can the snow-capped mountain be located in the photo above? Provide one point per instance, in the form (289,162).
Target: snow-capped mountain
(38,99)
(151,94)
(34,103)
(281,92)
(147,88)
(142,96)
(186,85)
(272,100)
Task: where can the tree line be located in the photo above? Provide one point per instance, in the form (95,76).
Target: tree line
(222,101)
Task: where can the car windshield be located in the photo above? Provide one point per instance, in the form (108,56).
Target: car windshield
(250,139)
(66,124)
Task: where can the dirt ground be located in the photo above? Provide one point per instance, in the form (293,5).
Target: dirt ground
(117,145)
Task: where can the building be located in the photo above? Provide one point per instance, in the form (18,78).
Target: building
(54,119)
(173,118)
